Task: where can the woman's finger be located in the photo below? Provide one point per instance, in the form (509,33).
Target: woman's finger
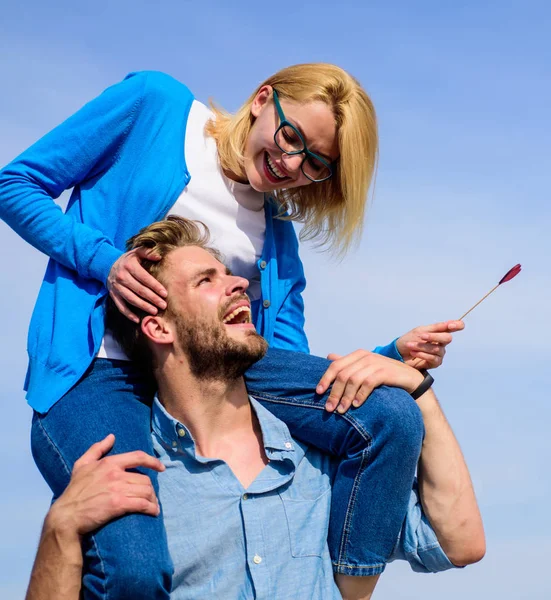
(442,326)
(335,395)
(123,308)
(147,253)
(155,289)
(428,348)
(348,377)
(338,365)
(375,379)
(143,292)
(132,298)
(355,380)
(432,360)
(437,338)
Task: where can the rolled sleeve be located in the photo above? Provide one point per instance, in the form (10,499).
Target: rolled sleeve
(417,543)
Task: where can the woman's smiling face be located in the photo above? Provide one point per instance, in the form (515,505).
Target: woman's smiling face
(266,167)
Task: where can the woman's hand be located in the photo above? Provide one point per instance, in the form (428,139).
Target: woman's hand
(130,284)
(101,489)
(356,375)
(424,347)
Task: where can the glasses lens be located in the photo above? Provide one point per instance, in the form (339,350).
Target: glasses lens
(315,169)
(289,140)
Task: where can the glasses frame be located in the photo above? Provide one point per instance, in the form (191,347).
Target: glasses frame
(307,153)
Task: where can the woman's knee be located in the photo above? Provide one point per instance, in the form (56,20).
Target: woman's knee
(390,415)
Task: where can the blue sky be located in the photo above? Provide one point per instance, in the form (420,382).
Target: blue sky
(462,92)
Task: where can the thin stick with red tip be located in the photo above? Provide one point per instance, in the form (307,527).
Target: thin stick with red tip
(507,277)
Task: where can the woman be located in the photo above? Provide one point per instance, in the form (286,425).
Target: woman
(306,142)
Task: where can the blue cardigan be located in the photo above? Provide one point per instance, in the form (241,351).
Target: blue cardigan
(123,155)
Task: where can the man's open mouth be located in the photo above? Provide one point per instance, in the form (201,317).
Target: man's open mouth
(238,315)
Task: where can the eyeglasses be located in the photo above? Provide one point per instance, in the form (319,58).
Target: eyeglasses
(290,141)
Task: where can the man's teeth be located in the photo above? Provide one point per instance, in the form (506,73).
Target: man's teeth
(237,311)
(274,169)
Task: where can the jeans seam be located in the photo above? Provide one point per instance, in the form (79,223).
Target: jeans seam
(351,506)
(65,464)
(296,402)
(358,570)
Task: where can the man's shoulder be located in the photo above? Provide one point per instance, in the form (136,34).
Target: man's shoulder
(276,435)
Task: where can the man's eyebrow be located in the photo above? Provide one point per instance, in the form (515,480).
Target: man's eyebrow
(296,124)
(210,272)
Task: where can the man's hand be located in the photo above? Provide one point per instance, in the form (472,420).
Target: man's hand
(101,489)
(424,347)
(357,374)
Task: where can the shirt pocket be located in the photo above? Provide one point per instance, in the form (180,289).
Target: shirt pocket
(307,516)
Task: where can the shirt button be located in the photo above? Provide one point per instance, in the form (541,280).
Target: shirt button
(266,304)
(288,445)
(181,432)
(263,264)
(174,444)
(257,559)
(245,496)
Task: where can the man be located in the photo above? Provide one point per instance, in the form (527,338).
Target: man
(246,507)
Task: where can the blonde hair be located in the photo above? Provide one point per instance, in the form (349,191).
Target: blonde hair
(332,211)
(167,235)
(162,237)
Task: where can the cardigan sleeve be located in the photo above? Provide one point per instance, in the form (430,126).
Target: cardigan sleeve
(390,351)
(74,153)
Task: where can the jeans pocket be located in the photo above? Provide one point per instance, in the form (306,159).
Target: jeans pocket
(307,521)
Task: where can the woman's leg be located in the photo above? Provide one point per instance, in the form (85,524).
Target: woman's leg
(378,445)
(128,558)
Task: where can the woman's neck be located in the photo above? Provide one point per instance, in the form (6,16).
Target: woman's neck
(234,177)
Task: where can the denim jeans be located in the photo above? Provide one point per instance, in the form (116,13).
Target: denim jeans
(128,558)
(377,446)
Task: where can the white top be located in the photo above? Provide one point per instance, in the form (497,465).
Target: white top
(233,212)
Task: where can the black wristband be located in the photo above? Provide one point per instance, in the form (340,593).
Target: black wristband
(423,386)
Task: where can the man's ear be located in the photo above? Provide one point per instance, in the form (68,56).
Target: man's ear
(261,99)
(157,330)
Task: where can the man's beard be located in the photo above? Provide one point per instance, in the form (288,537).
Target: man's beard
(212,354)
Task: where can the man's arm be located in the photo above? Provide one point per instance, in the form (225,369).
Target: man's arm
(100,490)
(57,569)
(446,490)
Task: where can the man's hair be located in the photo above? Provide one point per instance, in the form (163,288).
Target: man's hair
(162,237)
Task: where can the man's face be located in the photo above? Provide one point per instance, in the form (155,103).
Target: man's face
(211,314)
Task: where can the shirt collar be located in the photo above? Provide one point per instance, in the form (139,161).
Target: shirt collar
(278,443)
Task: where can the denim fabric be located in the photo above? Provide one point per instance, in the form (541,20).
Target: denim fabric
(127,559)
(268,541)
(378,445)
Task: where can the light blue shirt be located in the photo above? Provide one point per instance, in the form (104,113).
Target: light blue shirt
(268,541)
